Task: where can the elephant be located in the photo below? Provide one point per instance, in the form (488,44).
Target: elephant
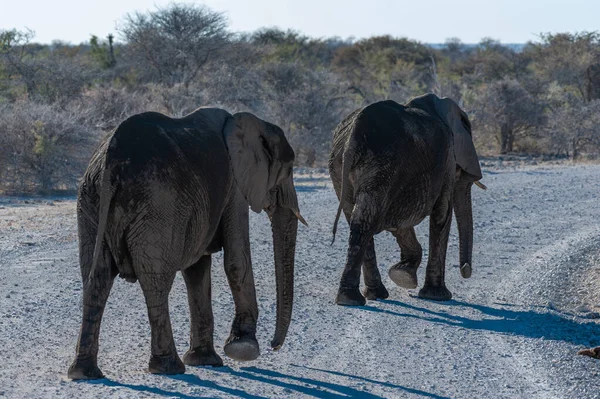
(160,195)
(391,166)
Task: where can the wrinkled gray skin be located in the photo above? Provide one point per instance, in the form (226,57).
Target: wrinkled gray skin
(391,166)
(161,195)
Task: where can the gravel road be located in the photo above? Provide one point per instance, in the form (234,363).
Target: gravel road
(511,331)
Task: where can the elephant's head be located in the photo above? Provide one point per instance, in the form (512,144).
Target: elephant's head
(467,169)
(262,162)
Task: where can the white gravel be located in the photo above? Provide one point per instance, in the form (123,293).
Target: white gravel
(512,330)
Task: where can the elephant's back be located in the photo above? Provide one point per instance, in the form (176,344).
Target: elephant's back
(387,125)
(151,143)
(171,179)
(416,141)
(402,152)
(389,138)
(152,153)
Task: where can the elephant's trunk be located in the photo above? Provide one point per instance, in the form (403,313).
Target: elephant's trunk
(463,211)
(284,224)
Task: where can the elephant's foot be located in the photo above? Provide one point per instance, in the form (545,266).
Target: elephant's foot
(242,349)
(379,292)
(439,293)
(169,364)
(202,357)
(466,270)
(350,297)
(403,275)
(85,369)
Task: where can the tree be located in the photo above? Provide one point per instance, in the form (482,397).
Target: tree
(291,46)
(102,52)
(175,42)
(509,112)
(18,57)
(383,67)
(570,59)
(307,104)
(43,147)
(53,73)
(575,128)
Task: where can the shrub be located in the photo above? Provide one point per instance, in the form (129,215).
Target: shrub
(43,148)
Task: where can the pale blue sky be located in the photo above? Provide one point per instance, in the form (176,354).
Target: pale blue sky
(431,21)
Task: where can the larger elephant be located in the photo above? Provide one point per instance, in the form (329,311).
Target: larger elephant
(391,166)
(160,196)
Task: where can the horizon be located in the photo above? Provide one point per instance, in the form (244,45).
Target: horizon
(500,21)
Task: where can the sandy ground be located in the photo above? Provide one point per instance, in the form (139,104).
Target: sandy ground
(511,331)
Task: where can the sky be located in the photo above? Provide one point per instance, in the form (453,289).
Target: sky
(428,21)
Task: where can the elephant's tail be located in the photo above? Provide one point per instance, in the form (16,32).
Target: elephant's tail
(347,160)
(106,192)
(108,186)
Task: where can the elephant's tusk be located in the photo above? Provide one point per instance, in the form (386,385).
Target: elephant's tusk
(299,216)
(480,185)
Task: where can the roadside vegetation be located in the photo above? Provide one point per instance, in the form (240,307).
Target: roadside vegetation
(57,101)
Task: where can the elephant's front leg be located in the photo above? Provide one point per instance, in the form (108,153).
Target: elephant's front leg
(374,286)
(156,288)
(439,229)
(241,344)
(197,281)
(404,273)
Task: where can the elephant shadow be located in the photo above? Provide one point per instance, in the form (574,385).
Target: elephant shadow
(160,391)
(292,384)
(309,386)
(325,389)
(527,323)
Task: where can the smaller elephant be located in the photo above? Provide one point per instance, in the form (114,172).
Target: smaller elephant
(391,166)
(160,196)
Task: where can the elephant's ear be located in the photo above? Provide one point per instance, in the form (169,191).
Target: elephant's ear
(464,149)
(260,156)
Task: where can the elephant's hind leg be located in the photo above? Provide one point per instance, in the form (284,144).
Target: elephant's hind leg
(156,288)
(197,281)
(97,283)
(374,287)
(404,273)
(362,228)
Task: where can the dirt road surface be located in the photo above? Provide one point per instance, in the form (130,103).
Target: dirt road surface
(511,331)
